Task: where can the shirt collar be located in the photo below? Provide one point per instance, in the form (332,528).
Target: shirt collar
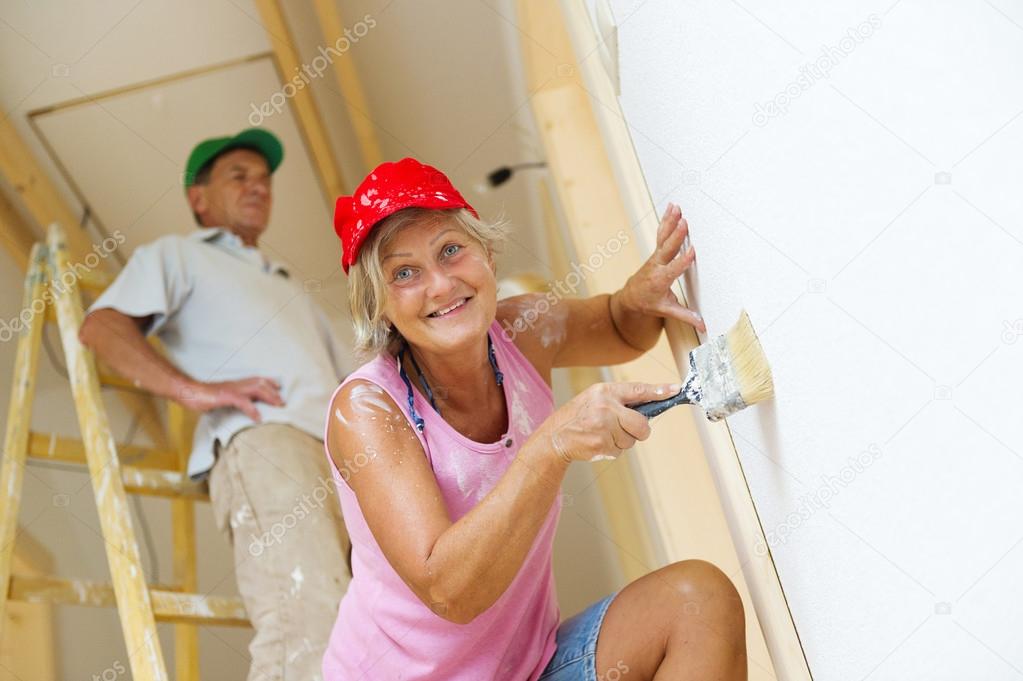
(207,233)
(230,240)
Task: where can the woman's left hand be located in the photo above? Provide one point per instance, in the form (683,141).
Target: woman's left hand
(649,289)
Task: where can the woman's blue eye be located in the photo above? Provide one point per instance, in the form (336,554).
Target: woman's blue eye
(451,249)
(400,274)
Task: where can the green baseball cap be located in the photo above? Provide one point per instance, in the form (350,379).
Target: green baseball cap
(258,139)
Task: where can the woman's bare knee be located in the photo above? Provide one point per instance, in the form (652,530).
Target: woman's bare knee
(690,601)
(707,600)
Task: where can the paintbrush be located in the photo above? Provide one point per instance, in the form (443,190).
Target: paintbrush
(726,374)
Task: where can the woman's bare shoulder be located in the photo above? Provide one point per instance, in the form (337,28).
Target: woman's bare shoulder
(364,420)
(536,325)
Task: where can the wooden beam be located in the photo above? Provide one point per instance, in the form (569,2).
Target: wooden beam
(37,193)
(673,470)
(347,76)
(17,237)
(766,591)
(307,114)
(134,604)
(168,606)
(45,204)
(615,480)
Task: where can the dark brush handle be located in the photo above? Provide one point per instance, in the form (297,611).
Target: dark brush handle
(652,409)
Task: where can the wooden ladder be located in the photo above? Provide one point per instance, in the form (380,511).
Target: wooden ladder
(52,285)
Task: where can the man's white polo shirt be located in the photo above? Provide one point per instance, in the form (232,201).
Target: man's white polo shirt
(224,312)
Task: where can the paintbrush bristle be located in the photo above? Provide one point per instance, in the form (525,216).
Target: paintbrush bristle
(749,362)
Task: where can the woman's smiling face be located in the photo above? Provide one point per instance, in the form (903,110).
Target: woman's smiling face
(441,288)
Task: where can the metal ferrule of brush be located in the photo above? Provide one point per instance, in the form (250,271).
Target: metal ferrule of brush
(711,384)
(721,395)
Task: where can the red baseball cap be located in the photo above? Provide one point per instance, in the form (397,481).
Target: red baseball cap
(388,189)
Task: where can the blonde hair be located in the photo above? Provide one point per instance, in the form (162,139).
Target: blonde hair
(367,286)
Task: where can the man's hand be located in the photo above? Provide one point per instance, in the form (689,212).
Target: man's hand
(241,394)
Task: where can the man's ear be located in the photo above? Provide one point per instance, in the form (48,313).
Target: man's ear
(197,199)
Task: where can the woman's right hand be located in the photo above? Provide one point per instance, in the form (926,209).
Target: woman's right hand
(597,423)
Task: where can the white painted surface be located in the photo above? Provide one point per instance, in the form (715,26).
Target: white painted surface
(872,230)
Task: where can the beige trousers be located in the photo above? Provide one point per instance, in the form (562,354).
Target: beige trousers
(273,495)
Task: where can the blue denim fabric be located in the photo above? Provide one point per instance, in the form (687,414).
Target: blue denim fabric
(576,656)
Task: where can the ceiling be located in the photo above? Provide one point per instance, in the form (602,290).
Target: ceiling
(112,100)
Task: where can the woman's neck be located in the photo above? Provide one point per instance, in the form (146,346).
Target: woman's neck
(461,380)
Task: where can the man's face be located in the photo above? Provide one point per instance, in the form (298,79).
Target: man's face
(237,195)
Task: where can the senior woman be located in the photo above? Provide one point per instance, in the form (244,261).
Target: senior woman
(449,456)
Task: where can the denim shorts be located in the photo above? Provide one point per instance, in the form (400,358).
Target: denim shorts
(576,656)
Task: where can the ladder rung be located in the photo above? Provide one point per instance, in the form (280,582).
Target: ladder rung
(95,280)
(115,381)
(71,450)
(162,483)
(168,606)
(158,483)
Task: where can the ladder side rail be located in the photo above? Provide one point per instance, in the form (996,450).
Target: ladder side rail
(19,414)
(134,604)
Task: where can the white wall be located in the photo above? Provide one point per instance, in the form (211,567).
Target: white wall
(872,230)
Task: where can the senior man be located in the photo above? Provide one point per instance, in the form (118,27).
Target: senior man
(250,350)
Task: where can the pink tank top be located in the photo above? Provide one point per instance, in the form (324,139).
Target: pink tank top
(383,631)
